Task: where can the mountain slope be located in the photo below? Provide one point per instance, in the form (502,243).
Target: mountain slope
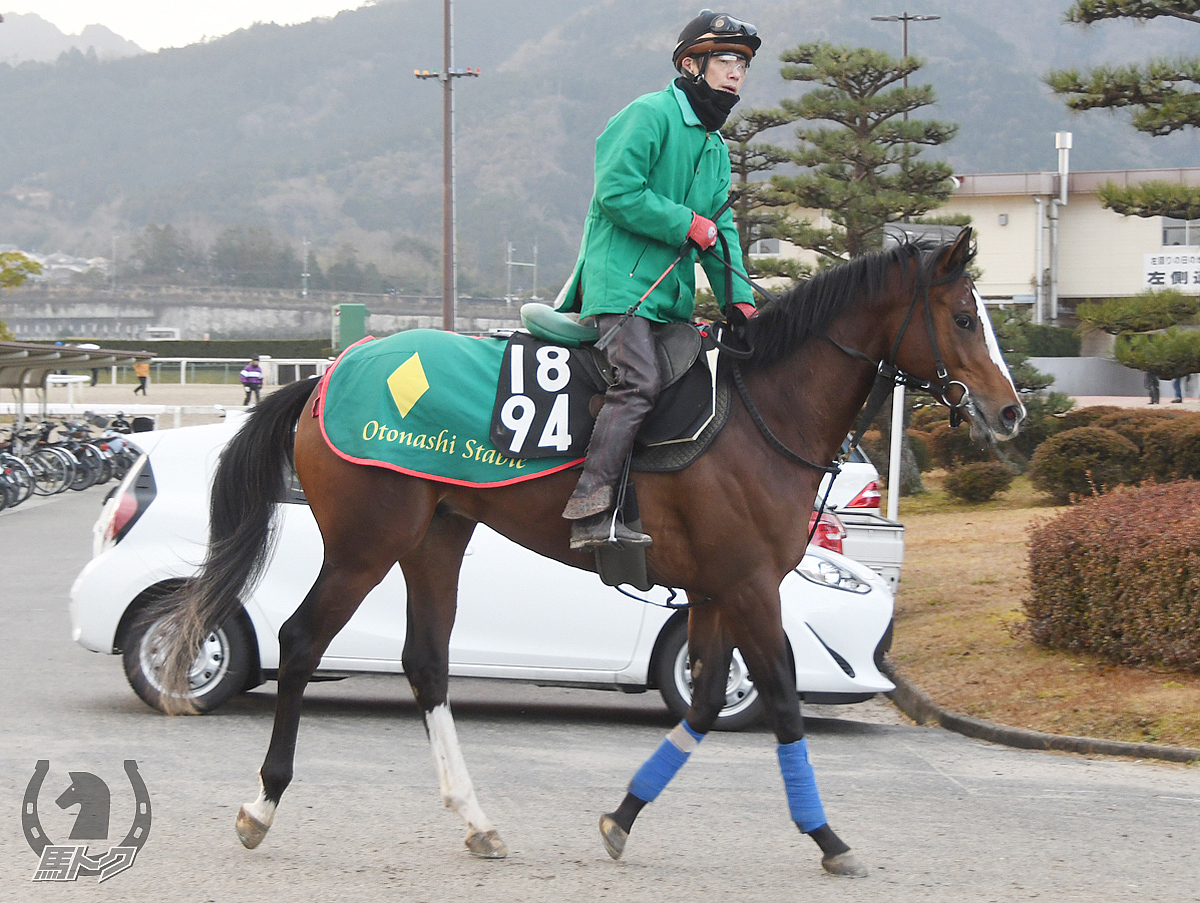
(321,131)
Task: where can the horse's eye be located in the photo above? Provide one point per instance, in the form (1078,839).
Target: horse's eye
(964,322)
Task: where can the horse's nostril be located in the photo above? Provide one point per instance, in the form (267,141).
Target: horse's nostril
(1011,414)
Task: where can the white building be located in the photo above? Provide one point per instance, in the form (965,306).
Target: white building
(1101,254)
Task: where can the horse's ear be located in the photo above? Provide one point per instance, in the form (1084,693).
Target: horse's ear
(958,255)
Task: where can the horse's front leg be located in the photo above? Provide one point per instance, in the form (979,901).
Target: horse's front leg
(758,632)
(431,573)
(709,651)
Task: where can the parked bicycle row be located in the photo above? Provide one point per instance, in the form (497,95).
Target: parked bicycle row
(57,455)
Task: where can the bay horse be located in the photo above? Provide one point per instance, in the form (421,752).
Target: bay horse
(726,529)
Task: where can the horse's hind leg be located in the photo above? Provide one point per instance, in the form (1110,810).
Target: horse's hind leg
(303,639)
(431,573)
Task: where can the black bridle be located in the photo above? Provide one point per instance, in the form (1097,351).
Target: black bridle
(887,375)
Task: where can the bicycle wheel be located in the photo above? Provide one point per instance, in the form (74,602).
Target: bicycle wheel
(51,474)
(20,475)
(88,471)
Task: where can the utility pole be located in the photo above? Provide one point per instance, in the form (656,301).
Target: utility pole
(509,263)
(893,482)
(304,272)
(446,77)
(904,18)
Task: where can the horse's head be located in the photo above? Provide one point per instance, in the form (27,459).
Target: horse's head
(960,346)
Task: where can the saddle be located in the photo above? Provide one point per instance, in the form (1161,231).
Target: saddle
(551,387)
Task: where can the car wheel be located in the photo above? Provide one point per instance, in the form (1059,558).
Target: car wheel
(672,669)
(220,671)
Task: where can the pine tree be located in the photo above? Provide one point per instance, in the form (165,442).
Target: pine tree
(865,172)
(756,210)
(1160,96)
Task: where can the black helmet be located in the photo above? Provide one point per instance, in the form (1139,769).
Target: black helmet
(713,32)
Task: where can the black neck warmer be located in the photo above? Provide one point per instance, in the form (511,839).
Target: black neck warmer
(711,105)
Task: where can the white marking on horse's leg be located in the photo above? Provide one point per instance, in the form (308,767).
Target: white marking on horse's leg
(458,793)
(255,819)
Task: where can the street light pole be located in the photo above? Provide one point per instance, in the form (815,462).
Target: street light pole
(904,18)
(446,77)
(893,481)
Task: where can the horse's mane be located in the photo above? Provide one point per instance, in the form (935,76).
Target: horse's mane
(809,307)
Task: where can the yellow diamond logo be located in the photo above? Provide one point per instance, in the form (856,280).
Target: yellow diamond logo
(407,384)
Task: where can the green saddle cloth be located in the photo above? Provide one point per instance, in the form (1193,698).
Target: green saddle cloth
(420,402)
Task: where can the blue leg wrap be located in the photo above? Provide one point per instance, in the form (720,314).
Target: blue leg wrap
(801,785)
(657,771)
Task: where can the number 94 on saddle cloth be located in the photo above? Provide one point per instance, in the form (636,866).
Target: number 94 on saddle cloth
(495,410)
(548,396)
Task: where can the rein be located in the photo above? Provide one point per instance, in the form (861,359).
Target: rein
(887,376)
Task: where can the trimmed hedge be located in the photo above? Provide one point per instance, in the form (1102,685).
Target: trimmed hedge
(1172,450)
(1119,576)
(953,447)
(978,482)
(1135,423)
(1087,416)
(1086,461)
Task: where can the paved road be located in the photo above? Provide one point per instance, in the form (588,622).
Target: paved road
(936,816)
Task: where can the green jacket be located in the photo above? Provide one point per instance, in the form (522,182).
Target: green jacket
(655,165)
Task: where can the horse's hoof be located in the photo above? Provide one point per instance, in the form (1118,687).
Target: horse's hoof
(613,835)
(486,845)
(250,830)
(844,865)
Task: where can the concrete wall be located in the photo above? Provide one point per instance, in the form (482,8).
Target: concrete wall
(53,312)
(1097,376)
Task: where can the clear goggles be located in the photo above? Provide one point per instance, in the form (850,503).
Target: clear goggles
(730,62)
(724,24)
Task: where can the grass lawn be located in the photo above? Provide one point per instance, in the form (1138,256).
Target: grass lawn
(960,638)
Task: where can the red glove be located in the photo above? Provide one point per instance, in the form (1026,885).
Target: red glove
(703,232)
(748,310)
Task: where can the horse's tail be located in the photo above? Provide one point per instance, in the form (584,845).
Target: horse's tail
(252,477)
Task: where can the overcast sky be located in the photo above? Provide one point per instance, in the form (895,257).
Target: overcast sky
(154,24)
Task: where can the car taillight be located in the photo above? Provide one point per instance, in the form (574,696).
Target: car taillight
(127,503)
(829,533)
(870,497)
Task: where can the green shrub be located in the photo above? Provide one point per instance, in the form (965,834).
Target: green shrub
(919,443)
(978,482)
(1134,423)
(926,417)
(1082,462)
(1086,416)
(1172,450)
(1051,341)
(1119,576)
(953,447)
(1044,413)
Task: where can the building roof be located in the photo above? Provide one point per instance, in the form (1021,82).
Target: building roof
(24,365)
(1045,184)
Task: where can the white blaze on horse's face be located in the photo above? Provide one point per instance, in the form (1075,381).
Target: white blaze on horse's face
(989,336)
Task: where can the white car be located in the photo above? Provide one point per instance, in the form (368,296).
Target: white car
(870,538)
(520,616)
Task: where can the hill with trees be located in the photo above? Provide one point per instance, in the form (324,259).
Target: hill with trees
(320,131)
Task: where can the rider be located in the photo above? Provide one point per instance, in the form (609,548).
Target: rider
(662,169)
